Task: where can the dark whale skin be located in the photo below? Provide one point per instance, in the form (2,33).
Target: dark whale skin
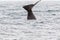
(28,8)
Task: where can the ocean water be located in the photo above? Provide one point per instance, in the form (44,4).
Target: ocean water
(15,26)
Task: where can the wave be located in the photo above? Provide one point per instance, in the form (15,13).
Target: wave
(46,11)
(53,11)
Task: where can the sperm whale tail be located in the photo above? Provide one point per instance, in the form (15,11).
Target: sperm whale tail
(28,8)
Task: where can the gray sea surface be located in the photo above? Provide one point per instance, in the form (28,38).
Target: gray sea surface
(15,26)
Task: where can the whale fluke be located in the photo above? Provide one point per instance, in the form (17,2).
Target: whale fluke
(37,2)
(28,8)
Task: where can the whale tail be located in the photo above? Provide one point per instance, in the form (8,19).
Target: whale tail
(29,10)
(30,13)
